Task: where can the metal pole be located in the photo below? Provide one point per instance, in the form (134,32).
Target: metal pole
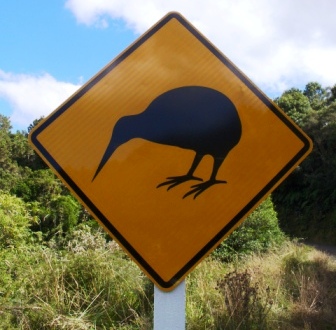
(169,308)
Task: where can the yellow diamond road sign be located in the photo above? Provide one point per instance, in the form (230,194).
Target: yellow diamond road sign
(170,146)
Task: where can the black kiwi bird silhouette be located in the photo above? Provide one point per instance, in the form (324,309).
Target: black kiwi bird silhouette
(192,117)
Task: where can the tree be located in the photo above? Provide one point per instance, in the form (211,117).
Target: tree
(8,168)
(65,211)
(316,95)
(331,94)
(295,104)
(5,143)
(23,154)
(306,200)
(34,123)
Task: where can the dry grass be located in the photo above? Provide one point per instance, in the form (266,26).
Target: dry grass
(312,290)
(291,288)
(94,286)
(302,284)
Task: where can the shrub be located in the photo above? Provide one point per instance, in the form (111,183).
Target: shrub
(93,287)
(245,307)
(14,221)
(40,185)
(57,219)
(259,232)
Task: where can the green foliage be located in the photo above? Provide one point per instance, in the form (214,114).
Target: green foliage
(62,217)
(203,300)
(5,143)
(306,200)
(14,221)
(93,285)
(85,287)
(24,174)
(316,94)
(332,94)
(294,103)
(15,155)
(258,233)
(290,288)
(8,168)
(40,185)
(23,154)
(59,271)
(57,213)
(34,123)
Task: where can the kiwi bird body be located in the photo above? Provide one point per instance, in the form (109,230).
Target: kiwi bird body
(192,117)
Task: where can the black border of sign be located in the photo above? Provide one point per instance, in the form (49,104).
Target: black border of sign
(216,239)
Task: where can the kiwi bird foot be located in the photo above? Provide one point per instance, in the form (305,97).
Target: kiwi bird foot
(199,188)
(174,181)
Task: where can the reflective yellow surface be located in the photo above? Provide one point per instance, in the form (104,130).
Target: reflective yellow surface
(165,229)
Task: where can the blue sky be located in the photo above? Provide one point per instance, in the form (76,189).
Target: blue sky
(40,36)
(50,48)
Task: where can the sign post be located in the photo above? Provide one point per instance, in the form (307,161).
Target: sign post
(171,130)
(169,308)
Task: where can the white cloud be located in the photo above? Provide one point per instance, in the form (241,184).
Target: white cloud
(32,96)
(278,44)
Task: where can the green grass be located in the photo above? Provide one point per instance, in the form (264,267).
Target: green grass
(82,288)
(292,287)
(93,285)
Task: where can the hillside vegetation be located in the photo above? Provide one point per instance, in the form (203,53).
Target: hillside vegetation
(59,270)
(306,201)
